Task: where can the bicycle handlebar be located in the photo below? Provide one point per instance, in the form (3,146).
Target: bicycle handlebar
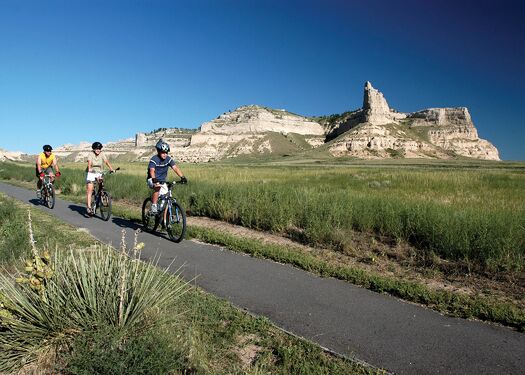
(171,183)
(110,172)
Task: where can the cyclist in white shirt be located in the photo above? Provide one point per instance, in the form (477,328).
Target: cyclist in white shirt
(95,167)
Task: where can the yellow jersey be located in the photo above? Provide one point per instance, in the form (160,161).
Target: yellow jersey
(46,162)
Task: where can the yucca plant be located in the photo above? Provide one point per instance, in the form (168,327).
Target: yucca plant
(89,289)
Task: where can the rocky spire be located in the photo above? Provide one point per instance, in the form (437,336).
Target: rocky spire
(376,107)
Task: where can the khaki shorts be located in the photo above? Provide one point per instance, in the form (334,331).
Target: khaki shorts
(48,170)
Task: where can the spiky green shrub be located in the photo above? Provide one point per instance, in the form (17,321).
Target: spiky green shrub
(88,291)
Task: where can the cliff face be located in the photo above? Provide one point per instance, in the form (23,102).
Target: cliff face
(11,155)
(139,148)
(380,132)
(253,130)
(375,108)
(452,129)
(373,131)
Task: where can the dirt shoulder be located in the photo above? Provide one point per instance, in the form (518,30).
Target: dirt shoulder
(398,260)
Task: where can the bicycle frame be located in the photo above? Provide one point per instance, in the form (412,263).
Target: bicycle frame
(48,180)
(101,198)
(170,216)
(47,193)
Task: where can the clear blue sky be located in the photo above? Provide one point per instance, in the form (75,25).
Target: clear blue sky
(104,70)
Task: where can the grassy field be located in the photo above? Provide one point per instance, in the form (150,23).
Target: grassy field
(199,334)
(471,213)
(449,235)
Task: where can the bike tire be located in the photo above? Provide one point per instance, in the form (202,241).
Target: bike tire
(49,198)
(149,222)
(105,205)
(176,223)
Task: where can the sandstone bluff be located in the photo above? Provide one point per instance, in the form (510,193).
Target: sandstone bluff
(371,132)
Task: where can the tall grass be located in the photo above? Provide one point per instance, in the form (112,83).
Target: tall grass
(474,215)
(13,233)
(14,243)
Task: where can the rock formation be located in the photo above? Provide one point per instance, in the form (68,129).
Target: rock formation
(375,108)
(377,131)
(373,131)
(11,155)
(250,130)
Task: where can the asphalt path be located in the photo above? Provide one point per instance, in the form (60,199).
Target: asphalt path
(378,329)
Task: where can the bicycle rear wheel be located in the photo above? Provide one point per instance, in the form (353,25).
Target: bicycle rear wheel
(176,222)
(105,205)
(149,221)
(49,196)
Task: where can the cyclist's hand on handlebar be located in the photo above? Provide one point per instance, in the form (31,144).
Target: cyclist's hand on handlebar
(42,174)
(58,174)
(183,180)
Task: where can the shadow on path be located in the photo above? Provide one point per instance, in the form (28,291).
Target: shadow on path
(123,223)
(36,202)
(79,209)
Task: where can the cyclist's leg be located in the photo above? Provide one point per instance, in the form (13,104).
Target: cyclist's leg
(90,182)
(155,192)
(39,180)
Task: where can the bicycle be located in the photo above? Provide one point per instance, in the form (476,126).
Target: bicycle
(170,215)
(100,197)
(47,191)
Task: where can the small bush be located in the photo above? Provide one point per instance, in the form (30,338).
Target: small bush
(89,291)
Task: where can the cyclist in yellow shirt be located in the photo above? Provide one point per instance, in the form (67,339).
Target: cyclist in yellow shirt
(46,163)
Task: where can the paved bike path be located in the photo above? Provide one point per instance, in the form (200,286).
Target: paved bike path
(378,329)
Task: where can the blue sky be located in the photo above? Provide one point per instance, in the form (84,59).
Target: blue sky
(74,71)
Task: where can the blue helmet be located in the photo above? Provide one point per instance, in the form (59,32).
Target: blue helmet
(162,146)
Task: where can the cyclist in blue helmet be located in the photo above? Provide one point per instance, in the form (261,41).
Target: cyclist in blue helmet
(158,172)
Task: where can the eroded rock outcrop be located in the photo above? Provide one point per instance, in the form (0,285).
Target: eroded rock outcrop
(11,155)
(379,132)
(375,108)
(251,130)
(373,131)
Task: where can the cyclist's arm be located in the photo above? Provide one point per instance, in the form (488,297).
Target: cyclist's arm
(177,170)
(108,164)
(89,166)
(38,164)
(55,165)
(152,173)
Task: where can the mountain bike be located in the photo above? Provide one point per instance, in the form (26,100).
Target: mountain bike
(47,191)
(170,215)
(100,197)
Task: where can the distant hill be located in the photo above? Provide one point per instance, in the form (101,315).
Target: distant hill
(371,132)
(12,155)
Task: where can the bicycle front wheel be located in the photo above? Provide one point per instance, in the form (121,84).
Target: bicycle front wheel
(176,222)
(105,205)
(149,221)
(49,196)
